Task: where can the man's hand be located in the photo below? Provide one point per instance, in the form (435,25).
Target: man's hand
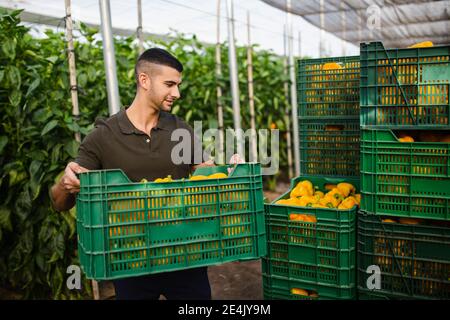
(69,181)
(209,163)
(63,192)
(235,159)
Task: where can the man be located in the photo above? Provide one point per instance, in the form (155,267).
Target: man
(138,141)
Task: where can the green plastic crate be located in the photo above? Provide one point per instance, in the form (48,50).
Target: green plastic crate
(329,148)
(404,179)
(130,229)
(405,87)
(414,259)
(317,253)
(279,288)
(328,93)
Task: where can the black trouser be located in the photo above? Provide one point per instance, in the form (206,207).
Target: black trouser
(190,284)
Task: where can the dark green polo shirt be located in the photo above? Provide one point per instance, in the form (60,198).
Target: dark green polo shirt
(116,144)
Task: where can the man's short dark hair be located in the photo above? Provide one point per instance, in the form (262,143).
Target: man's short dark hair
(157,56)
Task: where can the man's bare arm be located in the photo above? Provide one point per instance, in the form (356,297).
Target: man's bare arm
(63,193)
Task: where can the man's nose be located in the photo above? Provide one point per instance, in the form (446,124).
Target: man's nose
(176,93)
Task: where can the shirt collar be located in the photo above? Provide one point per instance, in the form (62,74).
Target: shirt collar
(128,128)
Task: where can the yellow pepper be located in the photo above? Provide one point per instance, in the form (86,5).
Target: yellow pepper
(166,179)
(358,198)
(309,218)
(300,292)
(307,201)
(318,205)
(425,44)
(348,203)
(218,175)
(330,187)
(303,188)
(335,193)
(346,188)
(331,66)
(199,177)
(329,201)
(283,202)
(320,194)
(406,139)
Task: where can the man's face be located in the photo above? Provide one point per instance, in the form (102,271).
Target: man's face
(163,87)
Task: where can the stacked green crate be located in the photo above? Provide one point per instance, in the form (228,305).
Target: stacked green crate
(328,104)
(316,258)
(316,254)
(405,171)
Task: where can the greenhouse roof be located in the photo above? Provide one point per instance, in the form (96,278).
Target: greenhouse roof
(397,23)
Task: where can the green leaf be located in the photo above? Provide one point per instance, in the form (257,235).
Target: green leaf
(91,73)
(14,77)
(71,222)
(16,177)
(57,281)
(35,178)
(33,86)
(9,47)
(82,80)
(42,115)
(5,219)
(49,126)
(15,97)
(3,142)
(52,59)
(2,74)
(56,152)
(54,258)
(74,127)
(188,115)
(40,262)
(46,232)
(72,148)
(35,187)
(23,205)
(59,245)
(27,240)
(176,109)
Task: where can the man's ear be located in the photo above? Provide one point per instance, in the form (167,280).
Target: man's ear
(144,81)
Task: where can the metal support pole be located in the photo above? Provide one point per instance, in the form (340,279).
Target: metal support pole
(139,28)
(322,31)
(251,100)
(286,113)
(344,26)
(360,25)
(109,57)
(74,97)
(293,93)
(234,79)
(219,89)
(72,69)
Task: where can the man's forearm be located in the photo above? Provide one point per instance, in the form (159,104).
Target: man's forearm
(61,199)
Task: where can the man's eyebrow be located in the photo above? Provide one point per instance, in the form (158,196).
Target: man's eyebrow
(171,82)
